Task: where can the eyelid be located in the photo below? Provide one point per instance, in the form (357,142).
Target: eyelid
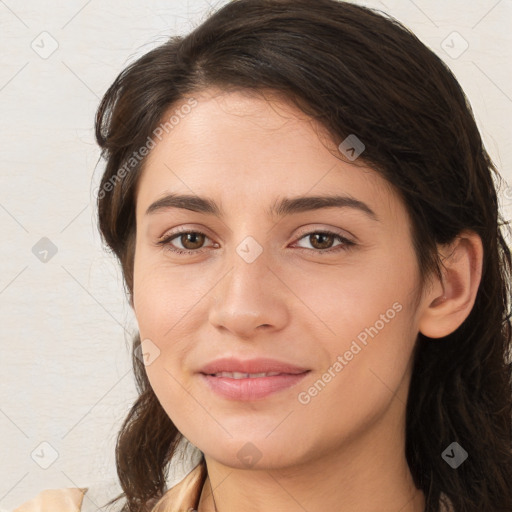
(184,229)
(335,231)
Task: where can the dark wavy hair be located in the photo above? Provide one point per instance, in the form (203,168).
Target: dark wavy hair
(356,71)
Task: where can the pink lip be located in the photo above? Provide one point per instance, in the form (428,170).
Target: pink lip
(260,365)
(251,388)
(255,388)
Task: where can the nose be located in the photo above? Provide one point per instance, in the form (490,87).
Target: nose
(249,299)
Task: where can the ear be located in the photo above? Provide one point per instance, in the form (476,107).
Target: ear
(450,302)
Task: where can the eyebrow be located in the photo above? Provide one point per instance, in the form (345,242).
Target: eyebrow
(280,208)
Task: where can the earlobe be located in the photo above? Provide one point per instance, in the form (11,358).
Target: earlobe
(450,302)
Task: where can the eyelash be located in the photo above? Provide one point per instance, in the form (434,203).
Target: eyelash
(345,243)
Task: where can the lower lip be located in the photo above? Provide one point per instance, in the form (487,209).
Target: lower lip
(251,388)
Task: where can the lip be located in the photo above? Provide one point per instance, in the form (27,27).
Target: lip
(259,365)
(255,388)
(249,389)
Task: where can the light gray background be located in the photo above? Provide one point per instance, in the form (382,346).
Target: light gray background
(65,323)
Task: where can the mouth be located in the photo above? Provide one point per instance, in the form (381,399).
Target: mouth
(254,368)
(243,387)
(253,379)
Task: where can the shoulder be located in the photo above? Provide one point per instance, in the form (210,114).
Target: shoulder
(55,500)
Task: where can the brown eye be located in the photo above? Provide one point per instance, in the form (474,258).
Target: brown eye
(192,240)
(321,240)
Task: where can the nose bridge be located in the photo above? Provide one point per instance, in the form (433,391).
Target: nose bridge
(245,298)
(246,280)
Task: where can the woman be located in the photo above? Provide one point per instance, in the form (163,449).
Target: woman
(308,227)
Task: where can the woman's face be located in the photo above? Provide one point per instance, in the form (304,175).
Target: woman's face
(262,280)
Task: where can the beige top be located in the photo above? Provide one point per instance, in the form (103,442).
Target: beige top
(55,500)
(183,497)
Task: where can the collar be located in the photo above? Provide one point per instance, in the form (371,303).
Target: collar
(184,496)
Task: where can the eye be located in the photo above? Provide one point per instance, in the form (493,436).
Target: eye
(192,242)
(323,240)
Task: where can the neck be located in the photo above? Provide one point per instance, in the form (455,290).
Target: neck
(366,475)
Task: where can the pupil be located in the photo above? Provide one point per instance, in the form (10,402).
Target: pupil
(323,245)
(188,240)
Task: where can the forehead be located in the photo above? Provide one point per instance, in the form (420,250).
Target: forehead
(248,150)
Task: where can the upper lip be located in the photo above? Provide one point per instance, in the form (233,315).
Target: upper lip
(260,365)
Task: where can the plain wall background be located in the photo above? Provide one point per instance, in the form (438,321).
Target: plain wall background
(65,323)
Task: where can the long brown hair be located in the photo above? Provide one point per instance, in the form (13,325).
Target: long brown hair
(356,71)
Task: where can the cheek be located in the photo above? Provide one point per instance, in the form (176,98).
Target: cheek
(163,294)
(162,302)
(364,323)
(345,300)
(367,374)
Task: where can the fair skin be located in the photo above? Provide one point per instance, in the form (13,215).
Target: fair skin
(344,448)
